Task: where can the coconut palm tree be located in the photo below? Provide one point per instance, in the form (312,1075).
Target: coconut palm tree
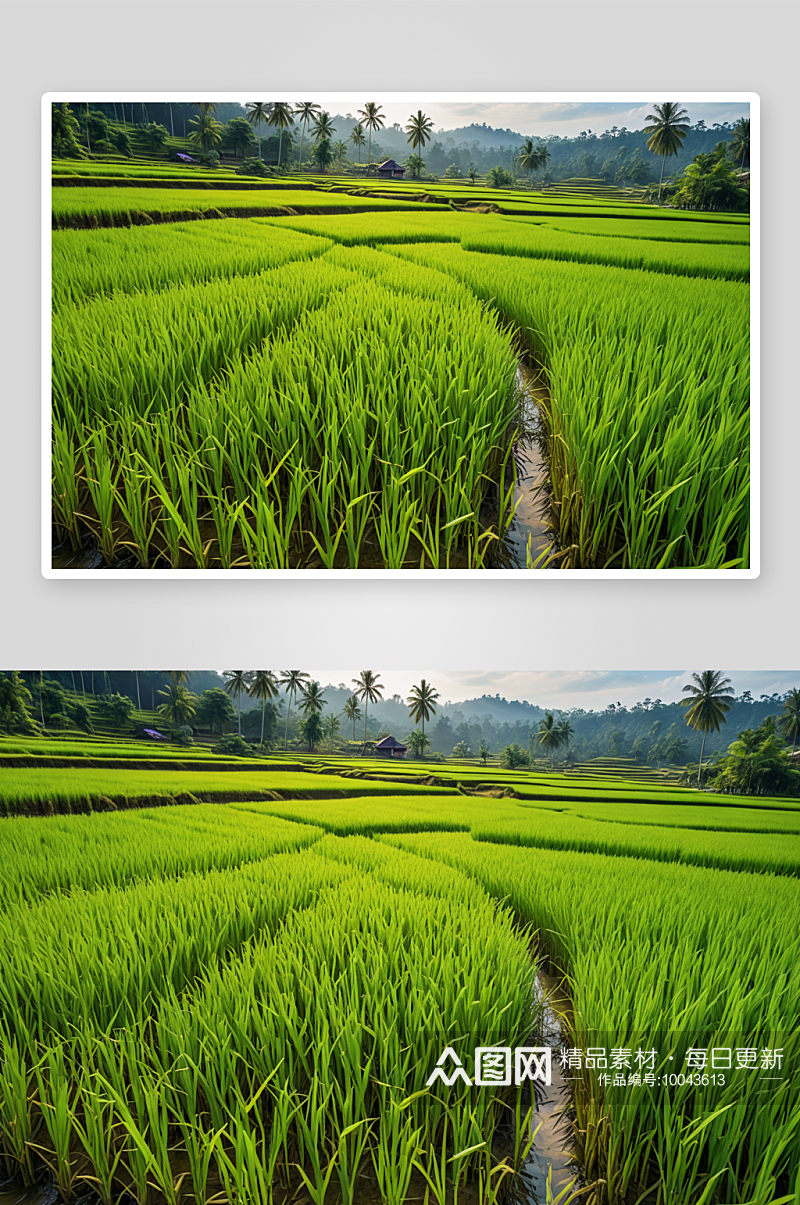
(178,705)
(372,118)
(281,115)
(331,725)
(305,112)
(311,700)
(708,705)
(353,712)
(208,132)
(323,155)
(740,142)
(547,733)
(357,138)
(532,156)
(257,111)
(565,733)
(422,701)
(419,130)
(369,689)
(670,129)
(323,128)
(236,681)
(312,730)
(291,680)
(789,722)
(263,686)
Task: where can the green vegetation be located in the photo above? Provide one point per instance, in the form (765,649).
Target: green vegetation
(270,989)
(229,394)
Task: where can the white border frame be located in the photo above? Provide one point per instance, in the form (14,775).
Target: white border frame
(333,98)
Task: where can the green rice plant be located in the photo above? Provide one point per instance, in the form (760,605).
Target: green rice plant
(56,1099)
(395,1152)
(16,1131)
(519,236)
(694,956)
(130,206)
(666,229)
(648,422)
(773,852)
(96,1130)
(105,263)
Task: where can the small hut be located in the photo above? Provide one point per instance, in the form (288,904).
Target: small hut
(389,170)
(389,747)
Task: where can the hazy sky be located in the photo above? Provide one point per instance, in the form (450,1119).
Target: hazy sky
(591,689)
(566,118)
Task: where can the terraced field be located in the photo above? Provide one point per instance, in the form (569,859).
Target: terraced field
(272,980)
(296,387)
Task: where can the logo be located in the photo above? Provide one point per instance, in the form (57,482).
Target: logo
(494,1065)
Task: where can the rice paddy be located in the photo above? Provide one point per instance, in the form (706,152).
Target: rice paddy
(244,1001)
(328,380)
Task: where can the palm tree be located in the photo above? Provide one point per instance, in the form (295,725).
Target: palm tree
(312,730)
(741,140)
(208,132)
(311,700)
(565,733)
(353,712)
(550,733)
(369,690)
(422,699)
(332,726)
(670,129)
(708,705)
(373,120)
(790,720)
(305,111)
(323,155)
(291,680)
(257,111)
(178,705)
(281,115)
(532,157)
(357,138)
(419,130)
(263,686)
(483,752)
(323,128)
(236,681)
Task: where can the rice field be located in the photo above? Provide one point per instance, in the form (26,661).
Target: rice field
(329,380)
(271,982)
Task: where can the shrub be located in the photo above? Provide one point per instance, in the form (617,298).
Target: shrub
(254,167)
(233,746)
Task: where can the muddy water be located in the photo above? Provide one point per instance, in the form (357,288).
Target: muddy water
(551,1152)
(14,1193)
(530,519)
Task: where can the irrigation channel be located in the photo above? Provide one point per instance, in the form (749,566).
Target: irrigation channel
(529,530)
